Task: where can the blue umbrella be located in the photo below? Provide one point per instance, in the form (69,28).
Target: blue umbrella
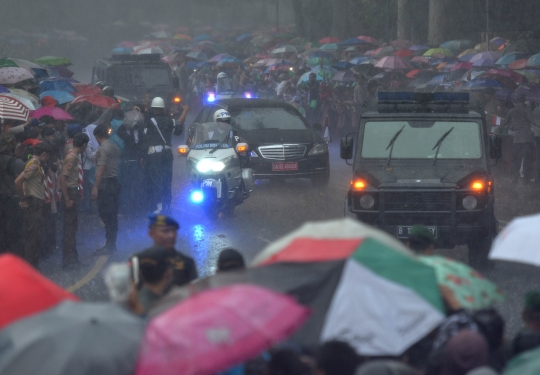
(202,37)
(321,54)
(342,65)
(534,60)
(122,51)
(510,58)
(358,60)
(436,81)
(192,65)
(484,62)
(243,37)
(229,60)
(56,85)
(3,89)
(482,83)
(61,97)
(466,58)
(352,42)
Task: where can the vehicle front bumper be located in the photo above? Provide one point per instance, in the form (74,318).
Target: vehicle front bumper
(307,167)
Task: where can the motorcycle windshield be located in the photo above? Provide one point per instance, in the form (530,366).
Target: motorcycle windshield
(212,135)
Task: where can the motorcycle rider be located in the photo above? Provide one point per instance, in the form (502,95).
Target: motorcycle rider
(156,148)
(223,83)
(223,120)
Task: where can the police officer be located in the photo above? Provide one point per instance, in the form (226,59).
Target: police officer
(158,156)
(164,231)
(106,187)
(29,185)
(71,184)
(11,221)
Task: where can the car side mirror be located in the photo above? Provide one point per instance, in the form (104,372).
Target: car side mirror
(495,146)
(347,147)
(317,127)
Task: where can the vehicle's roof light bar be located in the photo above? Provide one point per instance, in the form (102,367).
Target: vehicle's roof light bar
(423,102)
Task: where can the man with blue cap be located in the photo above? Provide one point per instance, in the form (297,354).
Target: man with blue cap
(163,230)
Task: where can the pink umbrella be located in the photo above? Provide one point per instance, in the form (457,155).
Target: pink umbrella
(368,39)
(55,112)
(420,59)
(462,65)
(216,329)
(394,62)
(493,55)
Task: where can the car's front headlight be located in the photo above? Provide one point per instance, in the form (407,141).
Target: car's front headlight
(318,148)
(206,165)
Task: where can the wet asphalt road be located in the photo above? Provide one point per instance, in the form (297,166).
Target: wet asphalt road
(274,209)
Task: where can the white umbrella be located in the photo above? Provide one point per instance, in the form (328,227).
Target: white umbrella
(518,241)
(151,50)
(12,75)
(25,94)
(285,49)
(25,101)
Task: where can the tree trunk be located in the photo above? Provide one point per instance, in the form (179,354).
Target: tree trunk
(440,16)
(299,17)
(405,20)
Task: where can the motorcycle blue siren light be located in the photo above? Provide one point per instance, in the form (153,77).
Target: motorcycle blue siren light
(211,97)
(247,95)
(196,196)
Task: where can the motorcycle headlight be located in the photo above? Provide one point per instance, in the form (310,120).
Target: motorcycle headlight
(206,165)
(469,202)
(319,148)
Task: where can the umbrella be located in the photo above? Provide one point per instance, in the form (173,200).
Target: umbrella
(534,60)
(219,57)
(470,288)
(493,55)
(55,112)
(216,329)
(482,83)
(498,41)
(329,39)
(440,51)
(404,53)
(243,37)
(394,62)
(60,72)
(507,74)
(342,65)
(458,45)
(510,58)
(3,89)
(202,37)
(86,89)
(517,242)
(52,61)
(13,75)
(504,95)
(97,100)
(462,65)
(368,39)
(61,97)
(526,363)
(369,70)
(197,55)
(345,268)
(382,52)
(329,47)
(25,94)
(25,101)
(56,85)
(351,42)
(420,59)
(73,338)
(122,51)
(150,50)
(320,74)
(358,60)
(466,58)
(470,51)
(8,63)
(186,37)
(161,34)
(12,109)
(529,46)
(518,64)
(285,49)
(316,61)
(483,47)
(320,53)
(344,76)
(24,290)
(401,44)
(483,62)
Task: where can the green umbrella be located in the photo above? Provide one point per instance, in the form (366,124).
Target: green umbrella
(329,47)
(470,288)
(52,61)
(439,51)
(8,63)
(527,363)
(316,61)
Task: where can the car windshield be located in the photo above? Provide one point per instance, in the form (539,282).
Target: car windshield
(266,118)
(419,138)
(139,76)
(211,135)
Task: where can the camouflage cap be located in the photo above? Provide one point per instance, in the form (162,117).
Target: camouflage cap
(5,140)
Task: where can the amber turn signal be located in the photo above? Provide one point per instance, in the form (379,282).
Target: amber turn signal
(177,99)
(241,147)
(477,185)
(358,185)
(182,150)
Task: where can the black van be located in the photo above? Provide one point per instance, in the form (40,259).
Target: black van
(281,141)
(423,158)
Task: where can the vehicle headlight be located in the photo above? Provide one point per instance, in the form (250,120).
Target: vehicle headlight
(367,201)
(469,202)
(319,148)
(206,165)
(253,154)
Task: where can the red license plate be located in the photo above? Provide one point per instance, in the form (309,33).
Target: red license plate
(284,167)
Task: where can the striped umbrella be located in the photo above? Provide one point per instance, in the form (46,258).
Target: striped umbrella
(13,109)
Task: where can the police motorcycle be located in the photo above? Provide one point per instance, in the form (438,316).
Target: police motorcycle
(218,167)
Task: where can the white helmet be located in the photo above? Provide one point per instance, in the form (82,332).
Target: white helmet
(158,102)
(221,115)
(222,75)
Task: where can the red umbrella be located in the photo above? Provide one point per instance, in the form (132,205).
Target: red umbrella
(54,112)
(216,329)
(507,74)
(413,73)
(97,100)
(329,39)
(394,62)
(462,65)
(404,53)
(368,39)
(86,89)
(25,291)
(518,64)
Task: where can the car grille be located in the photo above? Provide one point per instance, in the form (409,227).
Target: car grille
(282,152)
(417,201)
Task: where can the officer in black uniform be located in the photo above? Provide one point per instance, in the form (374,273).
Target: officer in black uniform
(163,230)
(157,154)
